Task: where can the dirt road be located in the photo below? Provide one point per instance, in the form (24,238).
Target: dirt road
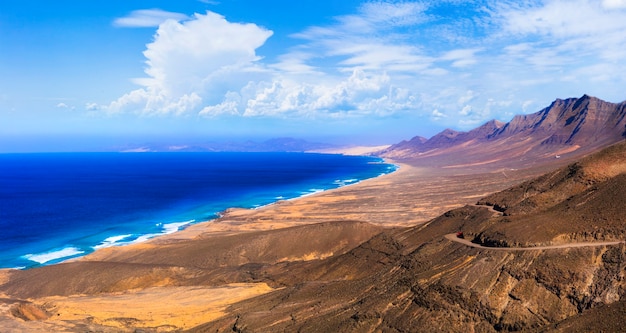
(453,238)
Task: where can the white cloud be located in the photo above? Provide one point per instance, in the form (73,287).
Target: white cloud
(62,106)
(370,38)
(359,94)
(295,63)
(92,107)
(226,107)
(390,13)
(561,46)
(503,58)
(144,18)
(467,109)
(614,4)
(209,65)
(526,106)
(192,62)
(562,18)
(437,115)
(461,57)
(467,97)
(381,57)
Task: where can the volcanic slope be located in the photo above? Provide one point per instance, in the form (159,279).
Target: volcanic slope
(416,280)
(568,128)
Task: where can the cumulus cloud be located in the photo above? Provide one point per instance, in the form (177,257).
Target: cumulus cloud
(209,65)
(147,18)
(360,93)
(188,59)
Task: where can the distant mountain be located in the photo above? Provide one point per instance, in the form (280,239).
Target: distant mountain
(271,145)
(567,128)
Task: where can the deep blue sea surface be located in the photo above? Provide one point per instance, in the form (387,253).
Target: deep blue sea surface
(63,205)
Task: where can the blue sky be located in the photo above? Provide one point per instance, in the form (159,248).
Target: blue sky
(88,75)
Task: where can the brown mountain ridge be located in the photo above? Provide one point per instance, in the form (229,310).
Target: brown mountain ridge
(567,128)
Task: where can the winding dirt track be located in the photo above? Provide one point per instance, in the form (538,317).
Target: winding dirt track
(453,238)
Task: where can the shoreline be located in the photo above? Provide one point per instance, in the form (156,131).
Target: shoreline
(228,222)
(183,230)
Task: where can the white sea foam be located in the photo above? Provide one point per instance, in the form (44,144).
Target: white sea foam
(112,241)
(43,258)
(168,228)
(171,228)
(144,238)
(344,182)
(311,192)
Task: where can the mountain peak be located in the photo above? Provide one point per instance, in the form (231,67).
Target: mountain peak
(572,125)
(486,130)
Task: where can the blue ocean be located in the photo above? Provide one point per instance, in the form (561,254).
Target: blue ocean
(58,206)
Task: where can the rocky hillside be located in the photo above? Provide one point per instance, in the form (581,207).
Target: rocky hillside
(582,202)
(416,280)
(567,128)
